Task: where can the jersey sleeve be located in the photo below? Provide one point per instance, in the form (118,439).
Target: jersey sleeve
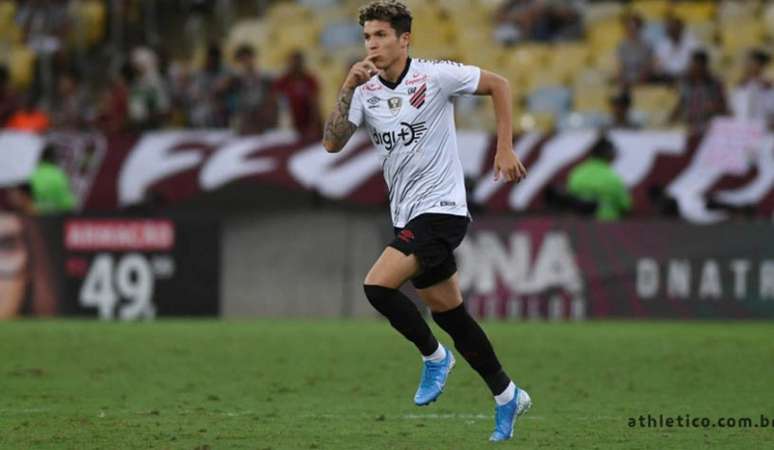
(356,108)
(458,79)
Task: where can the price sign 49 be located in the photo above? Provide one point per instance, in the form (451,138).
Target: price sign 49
(120,286)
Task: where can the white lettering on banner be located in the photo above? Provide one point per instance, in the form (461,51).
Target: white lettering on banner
(557,153)
(647,278)
(530,307)
(555,265)
(134,281)
(727,149)
(513,307)
(483,259)
(156,157)
(533,308)
(233,161)
(709,283)
(636,152)
(314,167)
(758,188)
(767,280)
(473,151)
(740,267)
(161,155)
(679,279)
(578,308)
(555,307)
(130,278)
(487,186)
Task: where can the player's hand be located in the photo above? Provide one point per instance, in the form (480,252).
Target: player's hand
(361,72)
(508,166)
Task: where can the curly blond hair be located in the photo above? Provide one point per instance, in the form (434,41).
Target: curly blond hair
(392,11)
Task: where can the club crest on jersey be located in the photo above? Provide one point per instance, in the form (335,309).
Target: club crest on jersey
(418,96)
(394,103)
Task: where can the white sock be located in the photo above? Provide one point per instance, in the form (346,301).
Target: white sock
(506,395)
(438,355)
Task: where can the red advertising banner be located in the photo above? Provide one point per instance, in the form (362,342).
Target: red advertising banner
(127,268)
(116,235)
(731,166)
(570,269)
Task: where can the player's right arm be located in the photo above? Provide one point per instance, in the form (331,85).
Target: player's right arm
(338,128)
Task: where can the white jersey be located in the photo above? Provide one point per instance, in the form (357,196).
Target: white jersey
(411,122)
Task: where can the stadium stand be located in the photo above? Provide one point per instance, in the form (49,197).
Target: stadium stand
(557,77)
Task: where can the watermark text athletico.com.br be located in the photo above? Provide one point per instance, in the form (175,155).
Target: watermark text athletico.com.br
(688,421)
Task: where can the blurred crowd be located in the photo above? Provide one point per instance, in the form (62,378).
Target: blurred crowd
(135,76)
(125,65)
(678,59)
(662,52)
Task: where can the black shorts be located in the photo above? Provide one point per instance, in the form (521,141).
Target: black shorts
(432,238)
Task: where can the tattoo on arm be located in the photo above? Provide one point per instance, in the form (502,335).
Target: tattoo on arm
(338,128)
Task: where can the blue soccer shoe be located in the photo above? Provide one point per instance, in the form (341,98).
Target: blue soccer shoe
(505,415)
(434,375)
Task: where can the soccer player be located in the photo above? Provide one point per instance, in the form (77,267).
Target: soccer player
(406,105)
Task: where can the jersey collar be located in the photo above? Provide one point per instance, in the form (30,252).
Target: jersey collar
(392,85)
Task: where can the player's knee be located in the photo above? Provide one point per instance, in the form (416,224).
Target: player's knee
(440,302)
(375,291)
(378,296)
(375,279)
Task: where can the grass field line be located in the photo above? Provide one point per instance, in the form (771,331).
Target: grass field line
(24,411)
(411,416)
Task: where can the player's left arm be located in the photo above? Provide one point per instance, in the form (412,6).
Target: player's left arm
(506,162)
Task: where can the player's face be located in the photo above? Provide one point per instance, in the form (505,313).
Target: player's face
(382,41)
(13,265)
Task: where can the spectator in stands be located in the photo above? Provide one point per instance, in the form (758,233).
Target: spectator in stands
(538,20)
(252,95)
(701,95)
(753,98)
(9,100)
(71,108)
(207,92)
(149,101)
(113,109)
(674,50)
(29,117)
(50,185)
(620,111)
(594,180)
(302,92)
(178,77)
(635,56)
(44,24)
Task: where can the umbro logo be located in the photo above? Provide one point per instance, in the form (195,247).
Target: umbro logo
(373,100)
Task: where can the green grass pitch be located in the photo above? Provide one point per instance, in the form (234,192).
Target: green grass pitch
(283,384)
